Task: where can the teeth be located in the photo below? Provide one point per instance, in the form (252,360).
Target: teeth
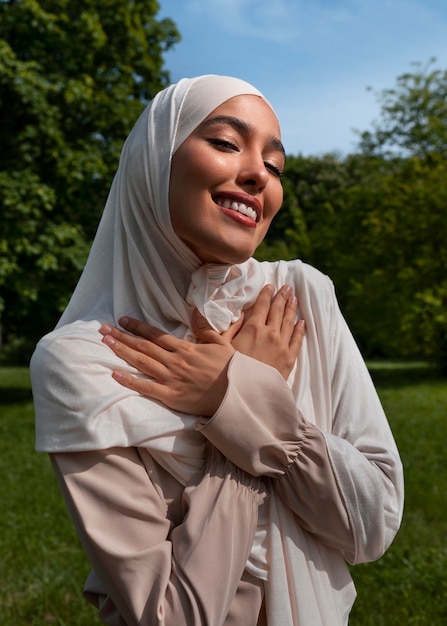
(238,206)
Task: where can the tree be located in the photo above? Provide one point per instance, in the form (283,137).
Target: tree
(74,76)
(413,119)
(287,237)
(305,226)
(375,222)
(395,284)
(402,232)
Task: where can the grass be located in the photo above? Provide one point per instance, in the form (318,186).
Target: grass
(42,566)
(408,586)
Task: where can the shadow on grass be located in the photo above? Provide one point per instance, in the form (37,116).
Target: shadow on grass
(14,395)
(396,374)
(15,385)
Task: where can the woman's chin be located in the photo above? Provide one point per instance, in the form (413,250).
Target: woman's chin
(227,259)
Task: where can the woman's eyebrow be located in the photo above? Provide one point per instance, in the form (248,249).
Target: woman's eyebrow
(242,127)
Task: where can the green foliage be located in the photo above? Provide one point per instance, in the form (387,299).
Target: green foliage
(375,222)
(413,115)
(74,77)
(398,295)
(287,237)
(394,268)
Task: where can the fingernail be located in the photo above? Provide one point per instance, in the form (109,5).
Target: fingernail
(270,288)
(124,321)
(301,323)
(287,288)
(109,340)
(293,300)
(105,329)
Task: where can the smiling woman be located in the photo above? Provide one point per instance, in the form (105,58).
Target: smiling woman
(228,162)
(225,455)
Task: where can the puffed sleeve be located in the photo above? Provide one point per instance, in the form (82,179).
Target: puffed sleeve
(344,486)
(261,430)
(153,571)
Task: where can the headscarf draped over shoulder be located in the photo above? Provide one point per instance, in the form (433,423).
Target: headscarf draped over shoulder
(137,265)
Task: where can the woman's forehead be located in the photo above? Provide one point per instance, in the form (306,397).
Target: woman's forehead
(202,96)
(246,114)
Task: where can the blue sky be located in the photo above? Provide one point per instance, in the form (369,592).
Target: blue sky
(313,59)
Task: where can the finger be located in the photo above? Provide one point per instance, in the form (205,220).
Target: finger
(149,332)
(289,319)
(143,386)
(113,335)
(203,329)
(279,307)
(297,337)
(234,328)
(143,354)
(260,309)
(152,365)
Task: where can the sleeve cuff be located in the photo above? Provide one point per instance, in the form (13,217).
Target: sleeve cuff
(258,426)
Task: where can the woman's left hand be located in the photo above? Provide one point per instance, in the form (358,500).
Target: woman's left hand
(192,378)
(184,376)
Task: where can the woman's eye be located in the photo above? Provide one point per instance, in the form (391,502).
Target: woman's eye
(222,143)
(225,145)
(273,169)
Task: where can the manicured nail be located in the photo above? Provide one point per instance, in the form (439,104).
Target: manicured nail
(105,329)
(109,340)
(287,289)
(293,300)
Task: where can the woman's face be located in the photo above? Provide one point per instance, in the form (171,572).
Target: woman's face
(225,185)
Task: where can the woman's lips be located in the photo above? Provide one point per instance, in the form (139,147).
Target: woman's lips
(241,203)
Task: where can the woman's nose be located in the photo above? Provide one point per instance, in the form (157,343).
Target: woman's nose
(253,172)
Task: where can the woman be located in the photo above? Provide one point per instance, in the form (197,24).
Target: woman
(219,466)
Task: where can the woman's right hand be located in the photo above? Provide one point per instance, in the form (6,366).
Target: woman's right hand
(269,331)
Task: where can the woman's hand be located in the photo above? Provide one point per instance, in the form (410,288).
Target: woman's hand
(269,331)
(183,376)
(191,378)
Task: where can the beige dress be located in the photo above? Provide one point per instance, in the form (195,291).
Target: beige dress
(173,543)
(164,554)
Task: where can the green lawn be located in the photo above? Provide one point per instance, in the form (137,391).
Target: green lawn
(42,567)
(408,586)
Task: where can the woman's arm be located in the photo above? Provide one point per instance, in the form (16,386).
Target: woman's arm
(154,572)
(259,428)
(344,485)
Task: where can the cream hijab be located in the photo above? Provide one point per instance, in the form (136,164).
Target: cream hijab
(139,267)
